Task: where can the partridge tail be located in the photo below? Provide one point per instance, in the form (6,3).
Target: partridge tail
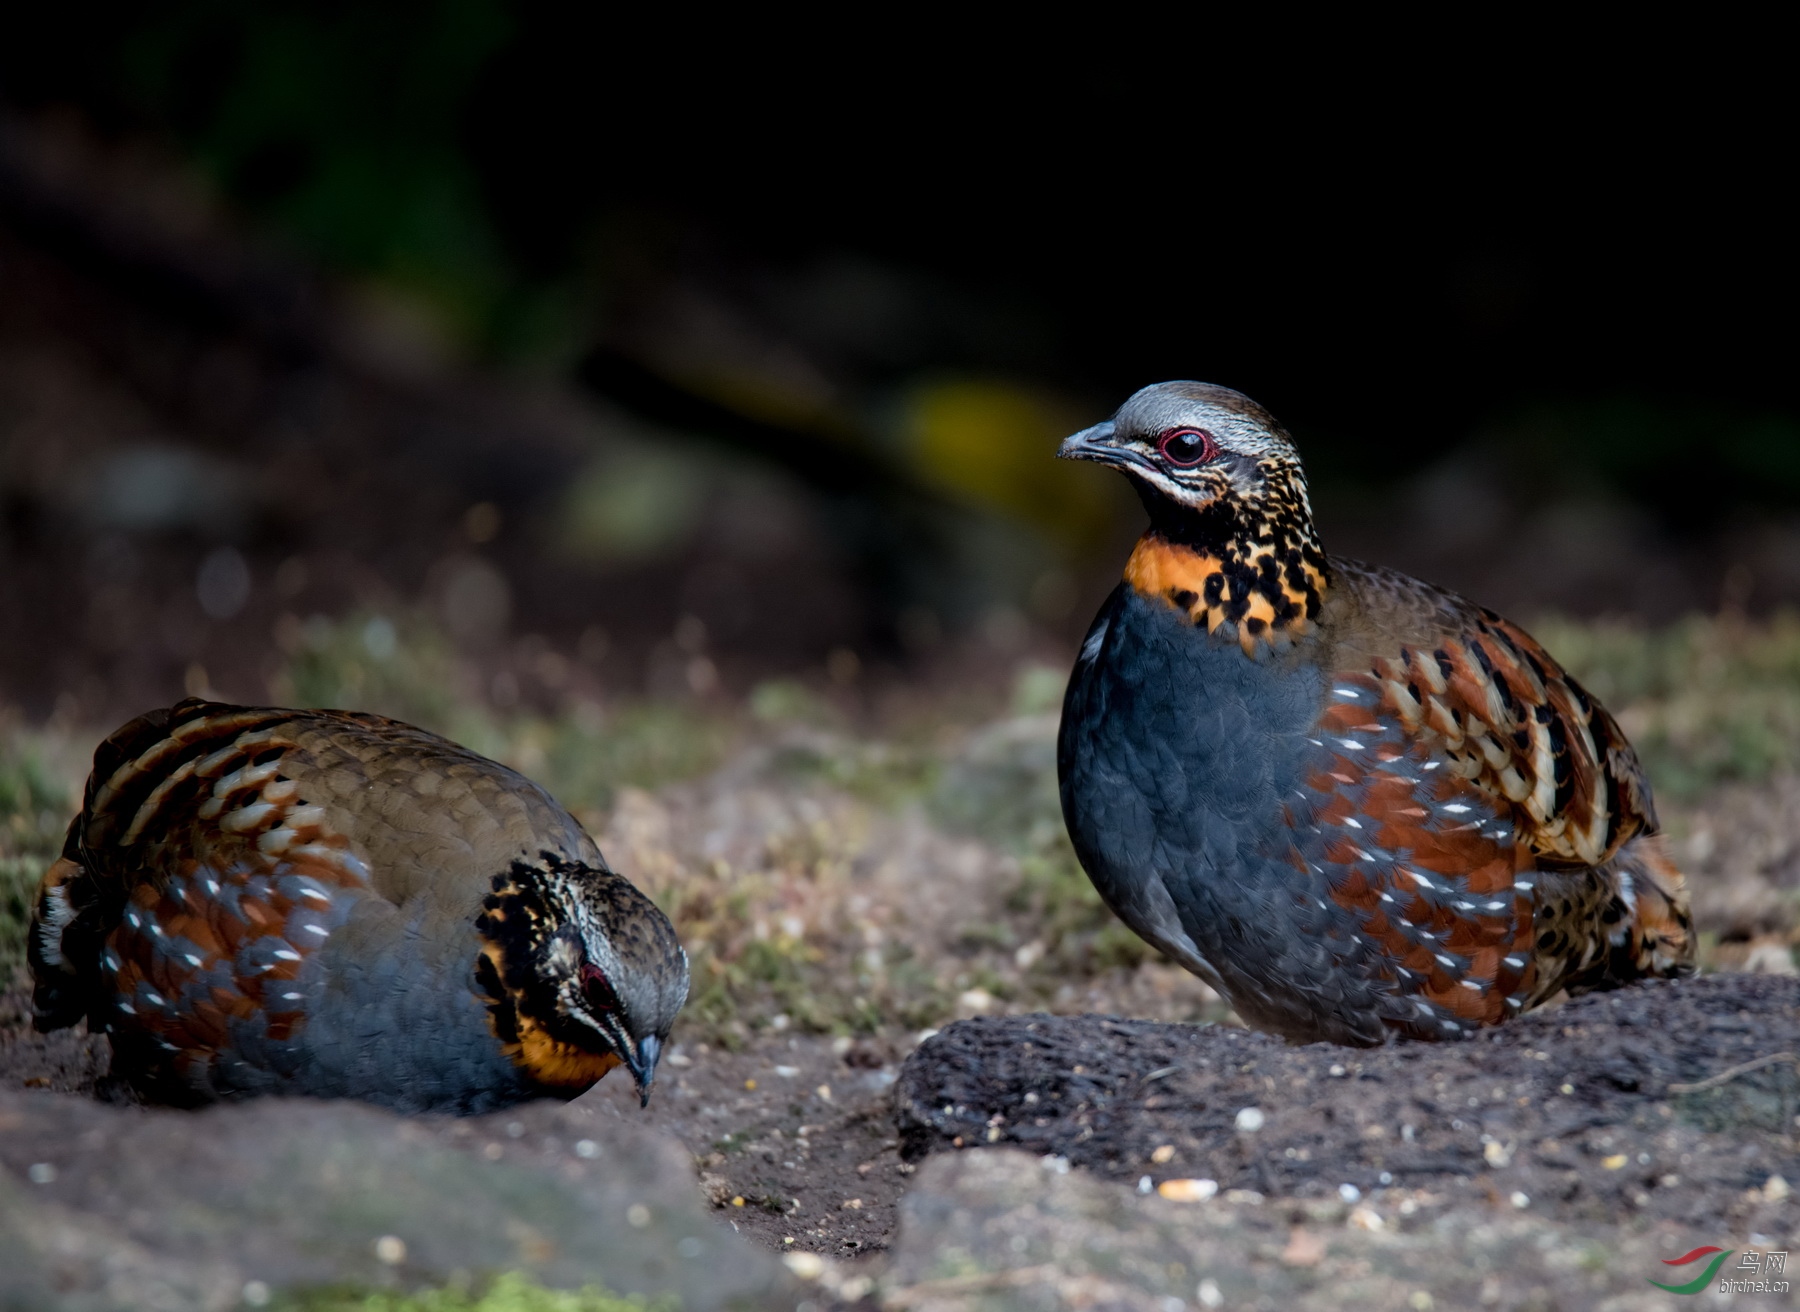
(57,947)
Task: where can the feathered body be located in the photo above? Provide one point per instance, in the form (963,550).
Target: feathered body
(256,900)
(1356,804)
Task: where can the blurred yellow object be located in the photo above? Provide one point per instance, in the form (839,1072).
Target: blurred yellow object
(994,444)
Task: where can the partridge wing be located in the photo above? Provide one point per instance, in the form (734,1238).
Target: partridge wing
(1503,713)
(207,879)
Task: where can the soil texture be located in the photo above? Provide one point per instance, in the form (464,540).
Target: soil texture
(1669,1101)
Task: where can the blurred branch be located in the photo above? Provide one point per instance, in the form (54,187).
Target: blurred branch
(830,466)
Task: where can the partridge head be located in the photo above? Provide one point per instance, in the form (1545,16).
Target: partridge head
(590,964)
(1217,474)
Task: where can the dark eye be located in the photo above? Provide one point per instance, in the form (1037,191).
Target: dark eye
(599,993)
(1186,447)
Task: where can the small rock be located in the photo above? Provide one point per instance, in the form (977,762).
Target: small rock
(1770,956)
(974,1002)
(853,1289)
(1304,1248)
(808,1266)
(206,1209)
(1250,1119)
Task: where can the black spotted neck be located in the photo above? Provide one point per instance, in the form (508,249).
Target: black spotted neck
(1246,567)
(518,925)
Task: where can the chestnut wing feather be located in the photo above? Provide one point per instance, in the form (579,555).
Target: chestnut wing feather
(1506,715)
(220,846)
(1422,870)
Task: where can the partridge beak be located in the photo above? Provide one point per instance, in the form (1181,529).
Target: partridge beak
(1098,444)
(1090,444)
(642,1065)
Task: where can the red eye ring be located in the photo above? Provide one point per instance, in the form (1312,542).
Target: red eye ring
(1186,447)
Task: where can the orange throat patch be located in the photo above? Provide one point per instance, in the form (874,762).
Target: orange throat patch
(555,1063)
(1263,592)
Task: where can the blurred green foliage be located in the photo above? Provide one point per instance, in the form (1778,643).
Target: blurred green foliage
(369,662)
(585,760)
(34,813)
(340,124)
(406,669)
(631,505)
(1705,701)
(886,774)
(511,1292)
(1003,786)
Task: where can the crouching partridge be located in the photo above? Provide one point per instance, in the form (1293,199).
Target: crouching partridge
(1355,804)
(259,901)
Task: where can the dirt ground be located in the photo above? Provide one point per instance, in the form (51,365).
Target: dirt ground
(1663,1116)
(1667,1101)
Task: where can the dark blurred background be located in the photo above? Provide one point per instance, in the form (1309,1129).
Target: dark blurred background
(628,362)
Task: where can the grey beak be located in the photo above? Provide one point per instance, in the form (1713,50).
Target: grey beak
(1089,444)
(642,1064)
(1098,444)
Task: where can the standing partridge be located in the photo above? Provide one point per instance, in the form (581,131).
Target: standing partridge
(318,902)
(1355,804)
